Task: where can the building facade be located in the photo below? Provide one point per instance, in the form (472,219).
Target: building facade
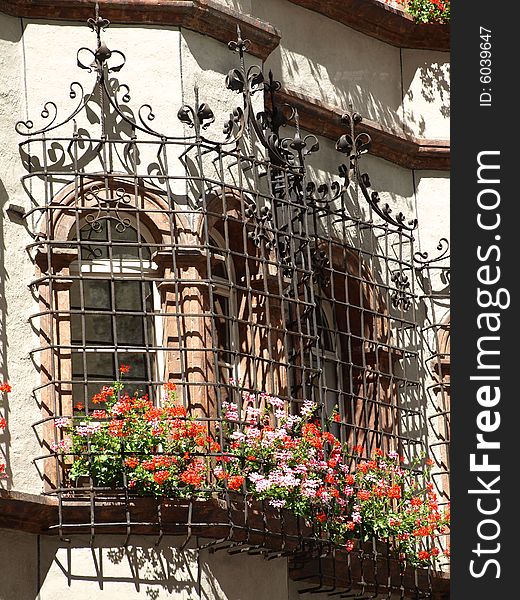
(240,201)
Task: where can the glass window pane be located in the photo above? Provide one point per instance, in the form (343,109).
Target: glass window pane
(137,363)
(96,294)
(99,365)
(89,235)
(130,330)
(98,330)
(112,231)
(129,295)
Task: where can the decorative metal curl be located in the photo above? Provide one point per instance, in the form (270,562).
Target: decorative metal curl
(423,259)
(239,45)
(355,145)
(50,111)
(288,153)
(401,297)
(202,117)
(320,267)
(98,23)
(111,205)
(261,219)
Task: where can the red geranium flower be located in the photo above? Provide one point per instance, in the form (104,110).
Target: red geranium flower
(115,428)
(102,396)
(235,482)
(5,387)
(394,492)
(123,369)
(322,517)
(161,476)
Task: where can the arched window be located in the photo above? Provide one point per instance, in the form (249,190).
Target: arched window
(112,305)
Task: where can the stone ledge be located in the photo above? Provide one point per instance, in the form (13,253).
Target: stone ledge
(203,16)
(383,22)
(30,513)
(404,150)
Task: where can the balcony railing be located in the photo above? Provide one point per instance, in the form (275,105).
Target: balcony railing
(231,292)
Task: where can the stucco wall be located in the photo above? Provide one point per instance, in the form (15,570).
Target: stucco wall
(45,568)
(16,336)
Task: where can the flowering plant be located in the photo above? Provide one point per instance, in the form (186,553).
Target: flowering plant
(298,465)
(152,450)
(288,460)
(5,388)
(427,11)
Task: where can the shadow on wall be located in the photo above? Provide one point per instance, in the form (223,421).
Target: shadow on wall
(435,89)
(351,86)
(111,569)
(146,570)
(10,36)
(436,85)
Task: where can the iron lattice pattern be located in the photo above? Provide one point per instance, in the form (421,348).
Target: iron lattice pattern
(222,267)
(433,275)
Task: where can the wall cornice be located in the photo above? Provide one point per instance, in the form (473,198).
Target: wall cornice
(404,150)
(203,16)
(30,513)
(381,21)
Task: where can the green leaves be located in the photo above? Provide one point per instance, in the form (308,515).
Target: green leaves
(428,11)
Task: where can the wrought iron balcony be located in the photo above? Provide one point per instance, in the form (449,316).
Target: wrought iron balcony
(218,265)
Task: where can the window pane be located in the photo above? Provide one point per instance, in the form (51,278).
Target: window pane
(96,294)
(137,363)
(129,294)
(100,365)
(89,249)
(116,234)
(130,330)
(100,371)
(98,330)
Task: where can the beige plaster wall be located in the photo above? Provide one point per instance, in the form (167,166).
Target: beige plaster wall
(19,559)
(426,93)
(16,335)
(402,89)
(353,69)
(46,568)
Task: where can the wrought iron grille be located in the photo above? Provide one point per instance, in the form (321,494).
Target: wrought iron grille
(221,265)
(433,276)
